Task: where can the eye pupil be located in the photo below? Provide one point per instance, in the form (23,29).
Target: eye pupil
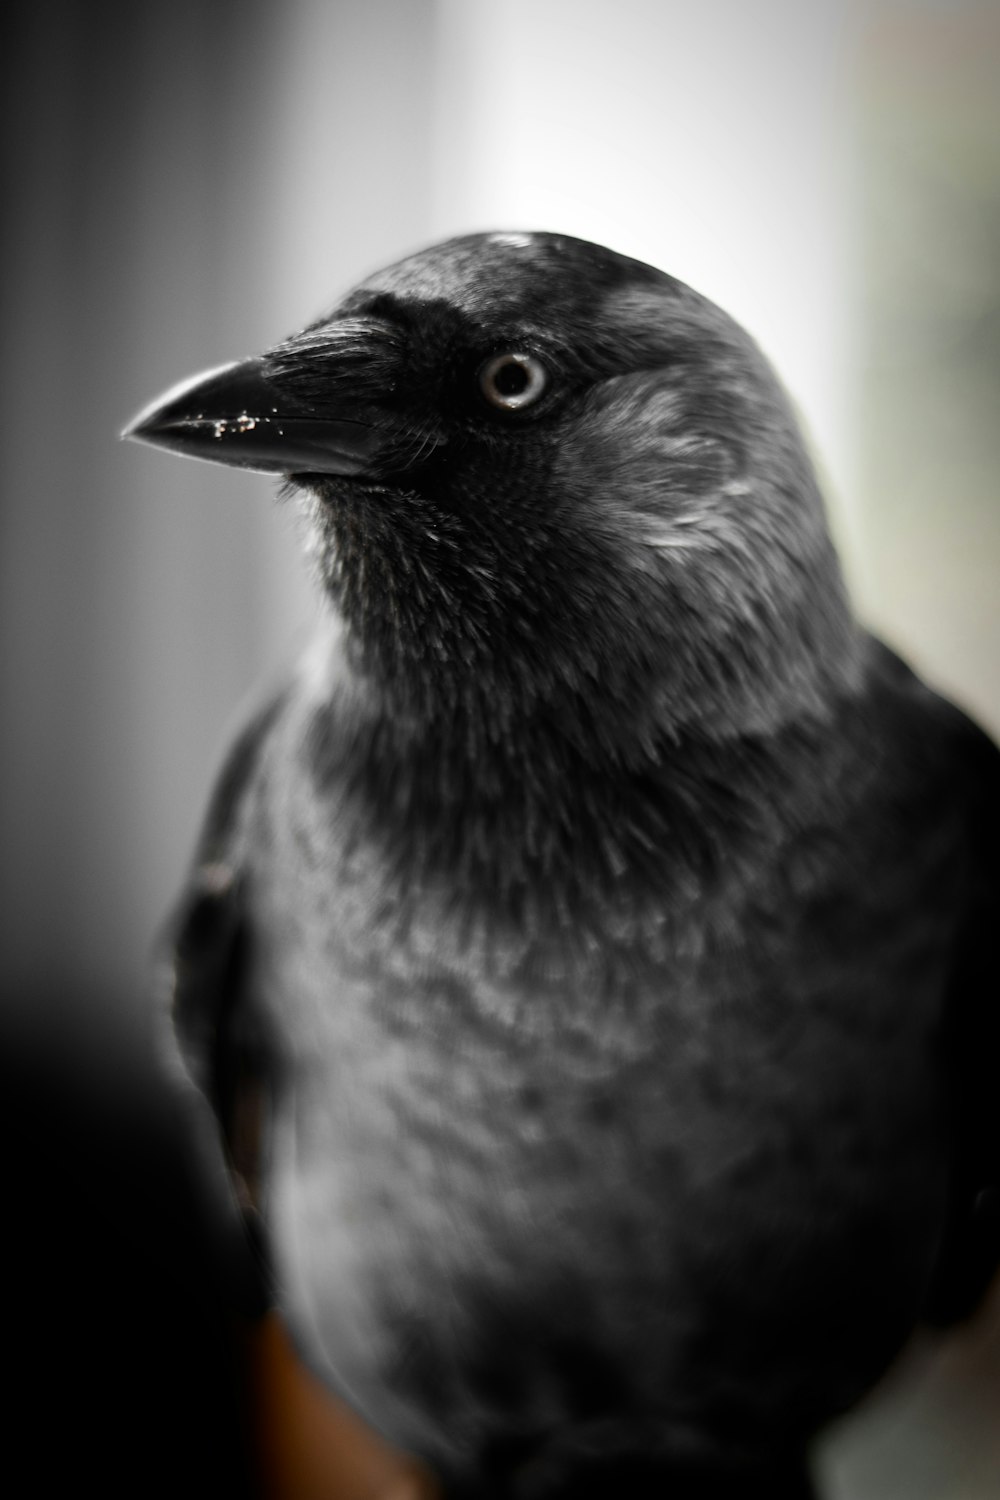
(511,379)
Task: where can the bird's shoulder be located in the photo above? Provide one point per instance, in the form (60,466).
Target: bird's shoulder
(210,1046)
(955,798)
(888,806)
(933,749)
(201,950)
(212,879)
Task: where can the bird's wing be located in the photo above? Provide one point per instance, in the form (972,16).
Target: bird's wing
(970,1255)
(215,1055)
(957,805)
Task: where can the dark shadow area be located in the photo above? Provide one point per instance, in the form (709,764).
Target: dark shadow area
(118,1346)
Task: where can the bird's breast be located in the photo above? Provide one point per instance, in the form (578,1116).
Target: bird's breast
(609,1175)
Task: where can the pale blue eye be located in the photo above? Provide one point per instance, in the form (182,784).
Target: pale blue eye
(513,380)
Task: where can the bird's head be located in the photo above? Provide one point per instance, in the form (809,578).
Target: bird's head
(542,477)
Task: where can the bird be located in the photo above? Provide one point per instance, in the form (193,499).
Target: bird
(586,979)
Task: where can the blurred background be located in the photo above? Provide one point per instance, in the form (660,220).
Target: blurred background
(185,183)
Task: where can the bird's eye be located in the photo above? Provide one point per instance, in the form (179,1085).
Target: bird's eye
(513,381)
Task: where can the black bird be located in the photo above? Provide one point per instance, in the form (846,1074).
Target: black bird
(590,955)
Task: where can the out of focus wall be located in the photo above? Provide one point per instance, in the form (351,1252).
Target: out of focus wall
(927,198)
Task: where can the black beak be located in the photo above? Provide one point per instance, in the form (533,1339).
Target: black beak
(237,415)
